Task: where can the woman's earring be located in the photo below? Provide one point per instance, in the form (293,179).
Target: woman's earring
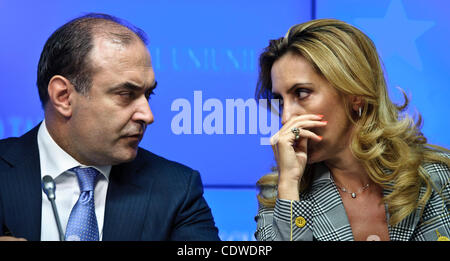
(359,112)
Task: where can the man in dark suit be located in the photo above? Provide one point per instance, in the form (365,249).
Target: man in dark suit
(94,79)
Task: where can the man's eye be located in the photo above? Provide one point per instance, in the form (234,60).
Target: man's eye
(126,94)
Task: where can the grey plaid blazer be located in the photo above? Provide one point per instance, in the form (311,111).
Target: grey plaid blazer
(320,214)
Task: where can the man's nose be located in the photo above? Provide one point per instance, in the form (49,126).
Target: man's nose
(143,112)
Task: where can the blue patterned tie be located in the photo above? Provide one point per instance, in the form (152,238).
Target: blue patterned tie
(82,225)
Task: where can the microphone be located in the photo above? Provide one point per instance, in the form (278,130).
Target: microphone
(48,186)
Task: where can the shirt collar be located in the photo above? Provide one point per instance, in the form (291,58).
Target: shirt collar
(54,160)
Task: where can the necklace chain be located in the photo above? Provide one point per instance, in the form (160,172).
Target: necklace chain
(353,194)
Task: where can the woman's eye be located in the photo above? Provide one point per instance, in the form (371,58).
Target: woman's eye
(302,93)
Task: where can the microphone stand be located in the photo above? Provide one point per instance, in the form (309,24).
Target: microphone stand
(48,186)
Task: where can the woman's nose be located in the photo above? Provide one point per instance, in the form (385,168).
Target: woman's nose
(290,110)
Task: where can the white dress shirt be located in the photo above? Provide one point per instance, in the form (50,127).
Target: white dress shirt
(56,163)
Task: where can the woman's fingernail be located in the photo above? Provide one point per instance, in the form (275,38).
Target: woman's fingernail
(320,115)
(324,121)
(320,137)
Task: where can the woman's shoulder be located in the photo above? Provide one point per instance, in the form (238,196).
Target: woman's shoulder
(439,172)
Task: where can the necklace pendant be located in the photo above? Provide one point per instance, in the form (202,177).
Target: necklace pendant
(353,195)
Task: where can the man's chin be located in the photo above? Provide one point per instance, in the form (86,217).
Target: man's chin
(125,157)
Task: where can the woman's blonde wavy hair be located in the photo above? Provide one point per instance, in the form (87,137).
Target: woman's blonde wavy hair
(387,141)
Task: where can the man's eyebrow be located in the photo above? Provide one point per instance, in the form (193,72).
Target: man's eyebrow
(132,87)
(126,85)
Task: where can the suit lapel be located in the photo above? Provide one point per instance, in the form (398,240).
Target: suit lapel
(126,202)
(24,197)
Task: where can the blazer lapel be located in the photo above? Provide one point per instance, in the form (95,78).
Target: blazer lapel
(330,220)
(126,201)
(24,197)
(403,231)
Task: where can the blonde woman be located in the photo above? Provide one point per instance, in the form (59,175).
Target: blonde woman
(350,164)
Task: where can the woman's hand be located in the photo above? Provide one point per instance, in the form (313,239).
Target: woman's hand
(291,154)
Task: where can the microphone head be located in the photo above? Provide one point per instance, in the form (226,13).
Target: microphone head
(48,186)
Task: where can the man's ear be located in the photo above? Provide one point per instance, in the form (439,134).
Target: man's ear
(60,91)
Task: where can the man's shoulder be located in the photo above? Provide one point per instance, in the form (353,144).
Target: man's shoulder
(162,167)
(152,158)
(16,146)
(8,146)
(7,143)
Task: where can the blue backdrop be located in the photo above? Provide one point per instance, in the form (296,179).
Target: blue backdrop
(205,59)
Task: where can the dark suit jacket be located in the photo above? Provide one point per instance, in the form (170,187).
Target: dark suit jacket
(150,198)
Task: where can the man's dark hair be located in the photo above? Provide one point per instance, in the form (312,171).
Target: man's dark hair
(66,51)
